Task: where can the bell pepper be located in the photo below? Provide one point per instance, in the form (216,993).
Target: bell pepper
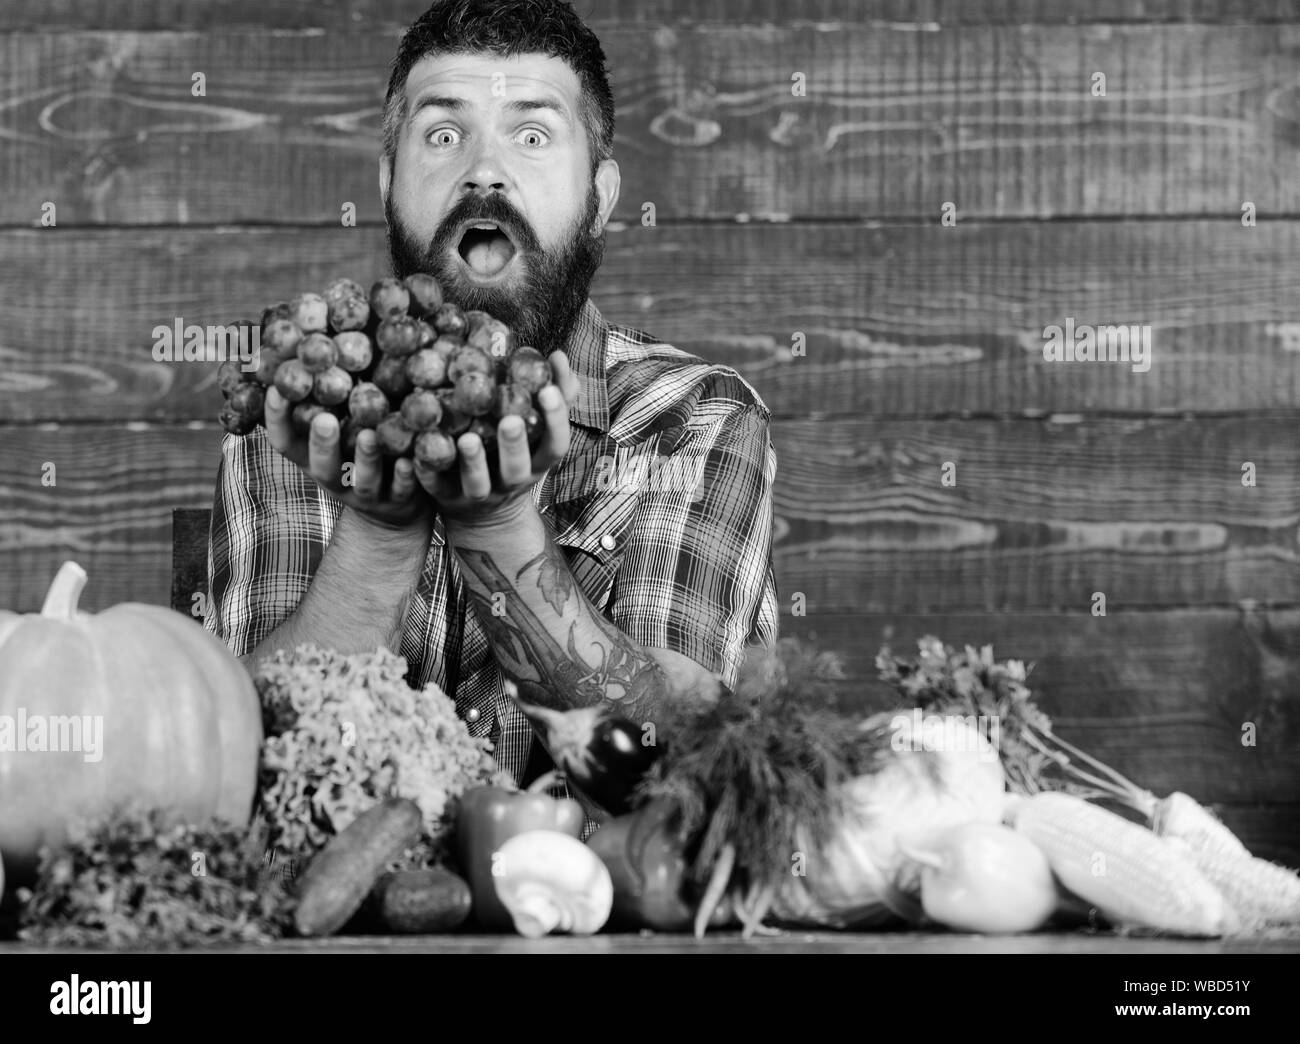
(647,864)
(488,818)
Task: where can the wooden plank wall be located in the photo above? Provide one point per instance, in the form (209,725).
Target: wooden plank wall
(777,216)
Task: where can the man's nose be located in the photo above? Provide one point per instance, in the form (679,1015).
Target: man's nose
(486,171)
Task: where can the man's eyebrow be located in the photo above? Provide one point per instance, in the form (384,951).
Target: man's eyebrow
(453,104)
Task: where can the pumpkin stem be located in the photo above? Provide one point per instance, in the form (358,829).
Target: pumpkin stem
(61,599)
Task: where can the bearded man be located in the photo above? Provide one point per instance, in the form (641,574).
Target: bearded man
(498,178)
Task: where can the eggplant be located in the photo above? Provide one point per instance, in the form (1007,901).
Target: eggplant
(601,753)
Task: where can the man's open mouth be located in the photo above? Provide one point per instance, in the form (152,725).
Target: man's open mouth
(486,248)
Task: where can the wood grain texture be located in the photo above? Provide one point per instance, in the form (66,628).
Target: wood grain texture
(997,120)
(899,322)
(109,509)
(1041,515)
(189,560)
(396,14)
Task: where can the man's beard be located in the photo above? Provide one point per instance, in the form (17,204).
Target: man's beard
(554,284)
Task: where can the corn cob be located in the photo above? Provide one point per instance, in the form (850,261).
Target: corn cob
(1259,891)
(1182,817)
(1132,876)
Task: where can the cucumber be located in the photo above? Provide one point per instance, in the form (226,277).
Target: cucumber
(420,902)
(342,874)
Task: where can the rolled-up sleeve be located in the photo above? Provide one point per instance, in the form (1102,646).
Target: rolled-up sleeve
(696,574)
(270,527)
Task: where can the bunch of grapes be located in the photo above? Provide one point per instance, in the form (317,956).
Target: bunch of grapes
(401,361)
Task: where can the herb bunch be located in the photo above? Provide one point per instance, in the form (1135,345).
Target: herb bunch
(941,679)
(764,761)
(139,878)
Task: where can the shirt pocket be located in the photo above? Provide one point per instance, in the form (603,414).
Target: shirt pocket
(592,530)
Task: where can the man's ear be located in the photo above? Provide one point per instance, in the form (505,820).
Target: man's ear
(385,177)
(608,182)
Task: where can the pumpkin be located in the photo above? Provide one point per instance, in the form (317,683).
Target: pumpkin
(135,704)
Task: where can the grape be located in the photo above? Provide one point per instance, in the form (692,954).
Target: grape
(283,336)
(474,394)
(279,310)
(388,297)
(332,386)
(468,360)
(293,380)
(248,399)
(453,421)
(268,361)
(436,450)
(310,312)
(487,433)
(354,351)
(493,337)
(447,346)
(234,421)
(530,370)
(349,313)
(318,352)
(427,334)
(426,293)
(395,438)
(449,319)
(303,414)
(398,335)
(511,400)
(426,369)
(391,377)
(421,410)
(367,404)
(341,289)
(230,375)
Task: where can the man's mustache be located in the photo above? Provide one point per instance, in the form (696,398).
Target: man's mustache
(493,208)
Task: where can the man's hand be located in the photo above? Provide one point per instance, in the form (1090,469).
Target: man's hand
(467,494)
(400,504)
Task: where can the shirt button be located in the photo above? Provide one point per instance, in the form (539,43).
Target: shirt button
(472,715)
(608,542)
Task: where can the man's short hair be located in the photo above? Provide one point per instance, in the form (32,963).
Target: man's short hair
(506,28)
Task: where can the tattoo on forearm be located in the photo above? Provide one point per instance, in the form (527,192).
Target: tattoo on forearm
(546,672)
(554,579)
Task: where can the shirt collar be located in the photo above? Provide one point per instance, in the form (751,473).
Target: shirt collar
(585,349)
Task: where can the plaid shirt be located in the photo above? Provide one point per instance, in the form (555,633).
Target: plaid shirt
(677,555)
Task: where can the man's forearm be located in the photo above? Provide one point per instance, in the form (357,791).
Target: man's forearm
(359,594)
(544,631)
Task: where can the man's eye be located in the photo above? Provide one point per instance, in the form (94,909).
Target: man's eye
(444,136)
(533,138)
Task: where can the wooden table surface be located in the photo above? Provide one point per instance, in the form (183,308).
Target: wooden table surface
(786,942)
